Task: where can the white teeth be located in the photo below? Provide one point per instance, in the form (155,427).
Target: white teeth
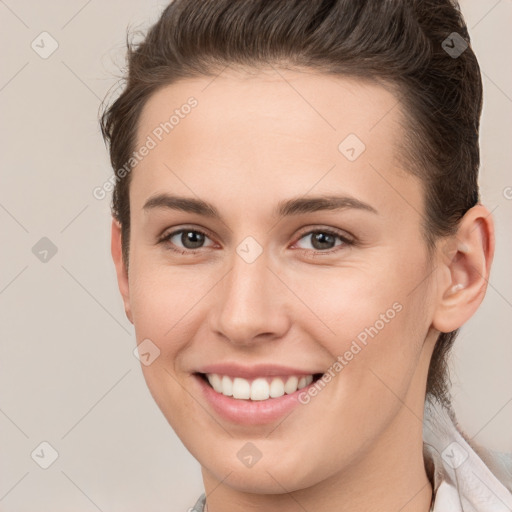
(261,388)
(291,385)
(305,381)
(241,388)
(227,386)
(216,383)
(276,388)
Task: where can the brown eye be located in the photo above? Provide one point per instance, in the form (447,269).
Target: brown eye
(192,239)
(324,240)
(188,239)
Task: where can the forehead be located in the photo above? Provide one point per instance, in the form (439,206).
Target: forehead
(271,130)
(307,104)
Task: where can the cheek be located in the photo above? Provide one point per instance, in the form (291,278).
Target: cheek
(375,317)
(159,311)
(341,303)
(163,298)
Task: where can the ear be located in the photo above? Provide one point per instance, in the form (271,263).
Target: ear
(121,271)
(465,262)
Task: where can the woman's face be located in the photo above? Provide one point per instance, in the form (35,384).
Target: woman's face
(278,285)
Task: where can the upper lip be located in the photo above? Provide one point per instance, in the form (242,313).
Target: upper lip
(253,371)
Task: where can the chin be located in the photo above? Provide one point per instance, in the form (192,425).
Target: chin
(266,480)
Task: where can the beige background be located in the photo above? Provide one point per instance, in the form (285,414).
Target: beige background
(68,375)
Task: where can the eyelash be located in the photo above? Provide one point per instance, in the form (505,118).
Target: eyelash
(347,242)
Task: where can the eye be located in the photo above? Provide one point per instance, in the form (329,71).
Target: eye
(191,239)
(324,240)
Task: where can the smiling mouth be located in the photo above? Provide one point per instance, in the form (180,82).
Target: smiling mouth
(258,389)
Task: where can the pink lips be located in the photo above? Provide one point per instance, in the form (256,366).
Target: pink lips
(254,371)
(248,412)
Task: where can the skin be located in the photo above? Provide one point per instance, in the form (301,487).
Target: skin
(252,141)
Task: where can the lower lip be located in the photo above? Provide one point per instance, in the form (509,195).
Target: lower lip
(250,412)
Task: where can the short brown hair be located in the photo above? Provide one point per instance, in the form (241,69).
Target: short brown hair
(402,44)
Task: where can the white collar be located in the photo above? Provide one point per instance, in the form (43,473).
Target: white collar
(462,481)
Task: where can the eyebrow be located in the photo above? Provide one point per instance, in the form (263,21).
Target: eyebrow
(285,208)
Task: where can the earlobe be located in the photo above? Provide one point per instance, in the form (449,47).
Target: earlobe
(121,271)
(465,268)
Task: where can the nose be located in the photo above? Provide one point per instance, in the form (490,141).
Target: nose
(250,303)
